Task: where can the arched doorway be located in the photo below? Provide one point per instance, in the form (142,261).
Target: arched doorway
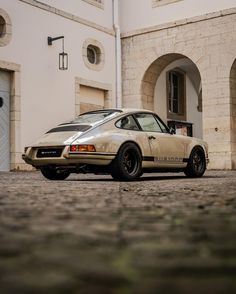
(171,86)
(233,113)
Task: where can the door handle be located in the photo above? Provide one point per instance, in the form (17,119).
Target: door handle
(151,138)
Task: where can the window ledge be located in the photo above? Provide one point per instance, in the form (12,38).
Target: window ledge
(157,3)
(99,4)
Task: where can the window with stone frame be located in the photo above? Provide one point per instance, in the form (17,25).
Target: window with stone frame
(176,92)
(93,54)
(5,28)
(156,3)
(97,3)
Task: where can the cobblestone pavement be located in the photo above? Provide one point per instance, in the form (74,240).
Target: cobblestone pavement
(89,234)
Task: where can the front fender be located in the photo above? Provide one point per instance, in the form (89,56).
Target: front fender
(197,143)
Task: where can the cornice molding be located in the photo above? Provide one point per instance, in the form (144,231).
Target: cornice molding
(69,16)
(181,22)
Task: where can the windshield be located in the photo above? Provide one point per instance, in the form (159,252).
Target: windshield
(95,117)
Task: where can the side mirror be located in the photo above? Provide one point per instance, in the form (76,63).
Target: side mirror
(172,131)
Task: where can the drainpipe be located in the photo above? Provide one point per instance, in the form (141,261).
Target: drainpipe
(118,53)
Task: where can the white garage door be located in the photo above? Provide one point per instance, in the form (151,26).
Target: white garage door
(4,121)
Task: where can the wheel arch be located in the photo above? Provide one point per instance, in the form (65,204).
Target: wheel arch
(197,146)
(133,142)
(127,165)
(196,165)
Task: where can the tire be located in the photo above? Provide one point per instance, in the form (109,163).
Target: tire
(127,165)
(54,174)
(196,164)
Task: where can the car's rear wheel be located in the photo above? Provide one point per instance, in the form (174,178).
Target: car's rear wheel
(196,164)
(127,165)
(54,174)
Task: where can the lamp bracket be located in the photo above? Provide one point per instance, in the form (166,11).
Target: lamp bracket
(50,39)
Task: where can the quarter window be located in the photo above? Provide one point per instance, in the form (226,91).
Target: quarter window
(127,123)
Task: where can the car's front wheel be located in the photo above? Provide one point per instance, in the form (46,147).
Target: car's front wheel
(127,165)
(54,174)
(196,164)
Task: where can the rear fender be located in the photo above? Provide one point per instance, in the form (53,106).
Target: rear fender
(111,142)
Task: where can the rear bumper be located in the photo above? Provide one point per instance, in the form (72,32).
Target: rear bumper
(67,158)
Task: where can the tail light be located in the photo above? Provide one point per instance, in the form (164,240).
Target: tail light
(82,148)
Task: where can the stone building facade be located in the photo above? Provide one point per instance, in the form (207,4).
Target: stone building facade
(208,43)
(178,59)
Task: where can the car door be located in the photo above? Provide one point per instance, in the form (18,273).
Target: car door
(167,150)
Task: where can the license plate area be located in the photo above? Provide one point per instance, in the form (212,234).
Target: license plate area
(48,152)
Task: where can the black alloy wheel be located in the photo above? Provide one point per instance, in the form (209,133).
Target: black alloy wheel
(197,163)
(127,165)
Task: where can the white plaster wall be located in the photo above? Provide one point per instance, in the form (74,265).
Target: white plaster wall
(85,10)
(140,14)
(48,94)
(160,100)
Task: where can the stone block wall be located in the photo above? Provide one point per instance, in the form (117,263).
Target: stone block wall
(210,42)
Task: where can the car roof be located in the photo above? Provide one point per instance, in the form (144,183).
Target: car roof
(119,110)
(127,110)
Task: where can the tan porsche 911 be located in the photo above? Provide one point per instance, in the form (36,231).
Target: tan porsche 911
(122,142)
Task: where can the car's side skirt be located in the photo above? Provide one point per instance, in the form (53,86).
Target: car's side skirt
(165,159)
(92,154)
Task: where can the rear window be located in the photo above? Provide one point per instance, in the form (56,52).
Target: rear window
(95,117)
(73,128)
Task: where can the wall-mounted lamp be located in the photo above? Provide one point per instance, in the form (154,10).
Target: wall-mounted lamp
(63,57)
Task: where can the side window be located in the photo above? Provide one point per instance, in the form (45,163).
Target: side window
(127,123)
(148,122)
(162,126)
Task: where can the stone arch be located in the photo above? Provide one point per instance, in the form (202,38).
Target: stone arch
(153,89)
(211,46)
(153,72)
(233,113)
